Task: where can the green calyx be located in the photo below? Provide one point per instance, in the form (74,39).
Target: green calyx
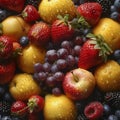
(99,43)
(32,103)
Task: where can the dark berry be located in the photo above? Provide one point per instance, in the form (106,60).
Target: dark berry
(117,4)
(117,113)
(7,97)
(93,110)
(113,8)
(2,91)
(107,109)
(115,16)
(112,117)
(6,118)
(24,41)
(35,3)
(116,54)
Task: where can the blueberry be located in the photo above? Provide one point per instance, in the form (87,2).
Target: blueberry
(107,109)
(117,3)
(113,8)
(2,90)
(116,54)
(6,118)
(3,14)
(112,117)
(117,113)
(24,41)
(8,97)
(115,16)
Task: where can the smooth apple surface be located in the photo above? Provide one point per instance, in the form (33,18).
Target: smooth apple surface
(78,84)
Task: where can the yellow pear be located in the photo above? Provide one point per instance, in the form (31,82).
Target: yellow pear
(59,108)
(15,27)
(31,54)
(23,86)
(110,30)
(107,76)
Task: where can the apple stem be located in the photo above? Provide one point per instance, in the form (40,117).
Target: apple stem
(75,77)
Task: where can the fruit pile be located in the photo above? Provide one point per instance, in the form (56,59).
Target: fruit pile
(60,60)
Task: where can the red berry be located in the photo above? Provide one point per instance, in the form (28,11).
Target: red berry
(94,110)
(19,108)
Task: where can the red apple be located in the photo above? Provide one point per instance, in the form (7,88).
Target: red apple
(78,84)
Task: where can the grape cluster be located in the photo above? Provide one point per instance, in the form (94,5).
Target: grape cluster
(58,61)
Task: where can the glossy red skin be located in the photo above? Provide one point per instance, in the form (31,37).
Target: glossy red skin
(39,101)
(91,11)
(34,116)
(14,5)
(19,108)
(7,43)
(89,57)
(7,71)
(31,13)
(61,32)
(39,34)
(96,108)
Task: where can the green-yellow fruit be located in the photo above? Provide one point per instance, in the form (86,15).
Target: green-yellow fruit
(107,76)
(50,9)
(15,27)
(23,86)
(31,54)
(59,108)
(110,30)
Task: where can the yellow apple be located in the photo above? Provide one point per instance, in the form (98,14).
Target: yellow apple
(31,54)
(15,27)
(59,108)
(22,86)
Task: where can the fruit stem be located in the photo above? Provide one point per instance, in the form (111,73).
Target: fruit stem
(75,77)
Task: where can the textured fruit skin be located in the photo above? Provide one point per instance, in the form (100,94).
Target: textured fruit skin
(110,30)
(15,27)
(19,108)
(107,76)
(6,47)
(91,11)
(30,13)
(59,108)
(39,33)
(80,89)
(23,86)
(39,103)
(93,110)
(15,5)
(89,57)
(60,32)
(31,54)
(49,10)
(7,71)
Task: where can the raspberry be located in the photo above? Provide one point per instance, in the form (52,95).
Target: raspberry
(93,110)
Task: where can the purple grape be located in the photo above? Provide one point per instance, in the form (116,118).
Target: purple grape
(70,61)
(47,67)
(61,64)
(50,81)
(66,44)
(62,53)
(35,77)
(78,40)
(42,76)
(59,76)
(51,55)
(56,91)
(76,60)
(54,68)
(38,67)
(77,49)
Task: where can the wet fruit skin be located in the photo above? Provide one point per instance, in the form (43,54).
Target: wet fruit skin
(59,108)
(23,86)
(110,30)
(107,76)
(31,54)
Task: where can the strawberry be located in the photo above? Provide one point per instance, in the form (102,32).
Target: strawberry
(19,108)
(6,47)
(30,13)
(39,33)
(7,70)
(14,5)
(35,103)
(33,116)
(91,11)
(61,30)
(93,52)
